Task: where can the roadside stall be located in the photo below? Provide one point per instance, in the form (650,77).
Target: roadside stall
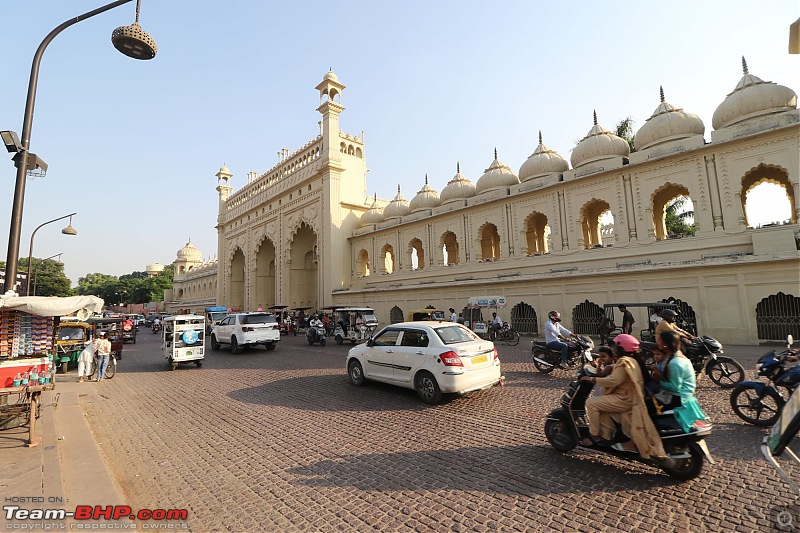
(28,351)
(473,318)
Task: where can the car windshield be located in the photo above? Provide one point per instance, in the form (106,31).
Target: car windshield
(70,333)
(218,315)
(455,334)
(258,318)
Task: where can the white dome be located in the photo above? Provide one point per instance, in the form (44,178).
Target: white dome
(189,253)
(457,188)
(599,144)
(330,76)
(667,124)
(398,207)
(753,97)
(426,198)
(543,160)
(374,215)
(497,175)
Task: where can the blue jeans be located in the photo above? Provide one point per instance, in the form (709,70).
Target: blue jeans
(558,345)
(102,364)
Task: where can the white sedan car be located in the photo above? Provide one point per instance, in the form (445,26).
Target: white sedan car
(432,358)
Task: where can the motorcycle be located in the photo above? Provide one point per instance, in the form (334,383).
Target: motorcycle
(316,334)
(156,328)
(546,360)
(566,425)
(704,353)
(760,403)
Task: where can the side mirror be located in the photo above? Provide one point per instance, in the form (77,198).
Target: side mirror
(370,342)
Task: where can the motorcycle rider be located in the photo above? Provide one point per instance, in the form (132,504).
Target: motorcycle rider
(156,324)
(668,324)
(553,331)
(623,401)
(315,323)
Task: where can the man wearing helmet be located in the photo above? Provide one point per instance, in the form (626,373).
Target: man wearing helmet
(314,323)
(623,401)
(668,324)
(553,333)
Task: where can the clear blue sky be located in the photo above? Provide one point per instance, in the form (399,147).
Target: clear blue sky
(133,146)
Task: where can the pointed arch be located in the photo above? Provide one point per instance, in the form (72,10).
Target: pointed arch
(524,319)
(586,318)
(489,242)
(416,254)
(661,200)
(774,174)
(778,316)
(396,315)
(265,280)
(236,287)
(591,228)
(387,259)
(537,232)
(362,264)
(449,247)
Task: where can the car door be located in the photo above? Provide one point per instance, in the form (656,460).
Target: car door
(378,357)
(224,330)
(410,354)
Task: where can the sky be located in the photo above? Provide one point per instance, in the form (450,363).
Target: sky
(133,146)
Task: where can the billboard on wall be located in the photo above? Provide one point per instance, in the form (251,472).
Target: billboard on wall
(486,302)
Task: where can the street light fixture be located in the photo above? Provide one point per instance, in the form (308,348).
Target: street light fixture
(59,264)
(69,230)
(131,41)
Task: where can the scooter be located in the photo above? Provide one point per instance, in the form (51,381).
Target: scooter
(760,403)
(156,328)
(316,334)
(567,425)
(546,360)
(705,354)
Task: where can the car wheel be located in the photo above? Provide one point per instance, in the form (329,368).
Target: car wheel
(427,388)
(270,347)
(235,348)
(214,343)
(199,364)
(355,372)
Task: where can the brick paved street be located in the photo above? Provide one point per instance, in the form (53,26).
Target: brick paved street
(280,441)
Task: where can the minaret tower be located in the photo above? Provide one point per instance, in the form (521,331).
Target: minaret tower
(330,96)
(224,189)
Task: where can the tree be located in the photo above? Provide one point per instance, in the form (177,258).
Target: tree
(49,279)
(678,218)
(624,129)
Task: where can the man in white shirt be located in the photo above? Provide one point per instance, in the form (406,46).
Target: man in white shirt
(453,315)
(553,332)
(495,325)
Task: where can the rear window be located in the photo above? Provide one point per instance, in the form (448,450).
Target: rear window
(455,334)
(258,318)
(70,334)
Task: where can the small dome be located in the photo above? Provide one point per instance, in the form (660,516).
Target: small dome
(457,188)
(667,124)
(497,175)
(398,207)
(330,76)
(543,160)
(224,170)
(753,97)
(599,144)
(189,253)
(426,198)
(374,215)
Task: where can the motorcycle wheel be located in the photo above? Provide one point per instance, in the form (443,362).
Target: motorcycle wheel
(559,436)
(310,341)
(684,469)
(541,367)
(749,407)
(512,337)
(322,342)
(725,372)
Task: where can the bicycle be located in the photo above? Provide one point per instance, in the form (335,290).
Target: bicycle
(111,369)
(507,334)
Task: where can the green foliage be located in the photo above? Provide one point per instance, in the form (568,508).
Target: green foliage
(133,288)
(47,279)
(624,129)
(678,219)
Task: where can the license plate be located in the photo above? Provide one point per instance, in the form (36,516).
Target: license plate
(479,359)
(188,352)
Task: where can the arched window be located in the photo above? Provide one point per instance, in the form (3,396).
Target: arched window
(778,316)
(596,224)
(586,318)
(416,254)
(387,254)
(396,315)
(449,244)
(362,267)
(489,242)
(673,212)
(767,197)
(523,318)
(537,232)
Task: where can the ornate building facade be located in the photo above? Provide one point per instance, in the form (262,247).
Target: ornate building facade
(555,235)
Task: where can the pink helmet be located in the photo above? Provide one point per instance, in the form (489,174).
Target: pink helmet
(554,315)
(628,343)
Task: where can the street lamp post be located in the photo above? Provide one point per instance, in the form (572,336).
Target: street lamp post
(131,41)
(36,270)
(69,230)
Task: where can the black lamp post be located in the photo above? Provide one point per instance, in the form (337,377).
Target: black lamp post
(69,230)
(59,264)
(131,41)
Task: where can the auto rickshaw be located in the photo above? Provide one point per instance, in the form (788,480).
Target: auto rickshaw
(285,322)
(71,339)
(425,314)
(355,324)
(113,329)
(611,329)
(183,340)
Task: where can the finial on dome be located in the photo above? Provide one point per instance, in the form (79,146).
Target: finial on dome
(595,117)
(330,69)
(426,178)
(495,152)
(375,199)
(540,136)
(661,90)
(398,188)
(458,167)
(744,66)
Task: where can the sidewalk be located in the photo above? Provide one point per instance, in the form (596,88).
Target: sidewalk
(65,470)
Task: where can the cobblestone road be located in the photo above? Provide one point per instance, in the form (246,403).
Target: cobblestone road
(280,441)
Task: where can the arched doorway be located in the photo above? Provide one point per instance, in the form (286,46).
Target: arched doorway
(235,299)
(264,294)
(303,271)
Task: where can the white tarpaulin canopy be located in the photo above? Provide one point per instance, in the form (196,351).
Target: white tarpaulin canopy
(83,306)
(486,302)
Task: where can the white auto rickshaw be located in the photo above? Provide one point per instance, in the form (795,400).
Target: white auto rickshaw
(355,324)
(183,340)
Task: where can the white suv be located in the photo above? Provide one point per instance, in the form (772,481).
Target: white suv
(246,329)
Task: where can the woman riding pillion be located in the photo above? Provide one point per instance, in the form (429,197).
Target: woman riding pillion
(623,401)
